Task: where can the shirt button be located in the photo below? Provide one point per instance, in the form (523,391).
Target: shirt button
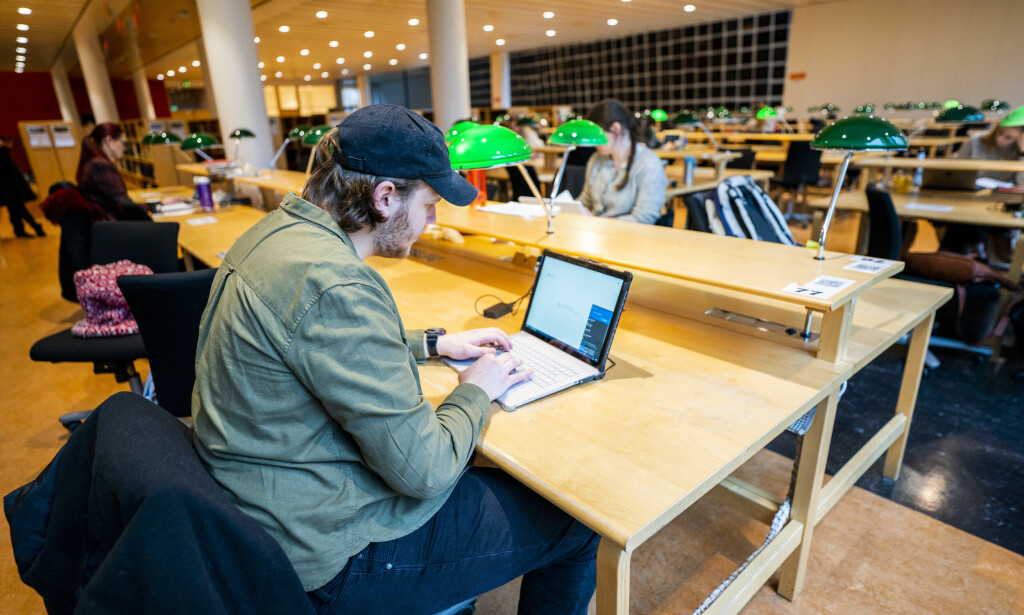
(388,566)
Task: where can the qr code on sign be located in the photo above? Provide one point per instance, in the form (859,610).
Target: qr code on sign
(866,267)
(830,282)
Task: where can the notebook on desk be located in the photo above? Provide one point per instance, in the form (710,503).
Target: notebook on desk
(946,179)
(568,328)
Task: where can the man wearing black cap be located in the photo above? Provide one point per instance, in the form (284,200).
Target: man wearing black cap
(308,407)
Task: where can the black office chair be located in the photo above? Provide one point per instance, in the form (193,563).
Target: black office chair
(168,307)
(803,168)
(888,237)
(573,179)
(745,161)
(696,215)
(518,183)
(154,244)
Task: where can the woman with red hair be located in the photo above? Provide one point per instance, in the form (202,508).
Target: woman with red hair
(98,177)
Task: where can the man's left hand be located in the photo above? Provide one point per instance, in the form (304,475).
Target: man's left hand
(473,343)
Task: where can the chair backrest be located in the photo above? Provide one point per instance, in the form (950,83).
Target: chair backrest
(573,178)
(885,237)
(154,244)
(168,307)
(745,161)
(696,214)
(518,182)
(803,164)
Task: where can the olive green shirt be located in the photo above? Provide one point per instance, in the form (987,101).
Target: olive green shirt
(307,405)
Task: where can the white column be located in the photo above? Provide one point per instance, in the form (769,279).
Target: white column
(211,100)
(449,61)
(143,95)
(65,99)
(501,80)
(94,70)
(233,76)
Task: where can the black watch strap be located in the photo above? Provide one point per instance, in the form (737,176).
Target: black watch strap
(431,336)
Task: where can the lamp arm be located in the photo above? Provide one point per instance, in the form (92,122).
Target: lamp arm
(204,155)
(558,176)
(238,144)
(711,137)
(832,205)
(536,194)
(280,150)
(785,124)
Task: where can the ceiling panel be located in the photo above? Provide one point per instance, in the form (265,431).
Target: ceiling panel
(49,24)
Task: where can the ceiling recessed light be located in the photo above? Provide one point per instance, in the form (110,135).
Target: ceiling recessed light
(321,14)
(344,71)
(160,77)
(303,52)
(548,15)
(22,40)
(316,66)
(278,74)
(283,29)
(19,58)
(307,78)
(488,28)
(414,22)
(22,27)
(499,42)
(613,22)
(196,63)
(367,54)
(256,39)
(340,60)
(181,69)
(19,70)
(423,56)
(25,11)
(689,8)
(19,64)
(550,33)
(325,74)
(366,67)
(280,59)
(261,64)
(400,46)
(368,34)
(20,50)
(392,61)
(263,77)
(170,73)
(332,44)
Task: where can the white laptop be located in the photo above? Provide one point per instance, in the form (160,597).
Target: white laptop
(568,328)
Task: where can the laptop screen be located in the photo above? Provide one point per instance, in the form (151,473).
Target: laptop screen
(576,305)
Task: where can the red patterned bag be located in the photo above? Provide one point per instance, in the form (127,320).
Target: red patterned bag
(106,311)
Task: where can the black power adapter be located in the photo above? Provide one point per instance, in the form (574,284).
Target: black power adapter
(497,310)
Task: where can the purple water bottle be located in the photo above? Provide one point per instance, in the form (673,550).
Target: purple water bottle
(203,192)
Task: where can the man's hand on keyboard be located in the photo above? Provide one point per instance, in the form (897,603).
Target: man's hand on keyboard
(473,343)
(495,373)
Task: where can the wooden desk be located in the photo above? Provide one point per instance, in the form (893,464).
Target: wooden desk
(873,165)
(141,195)
(705,178)
(272,185)
(207,241)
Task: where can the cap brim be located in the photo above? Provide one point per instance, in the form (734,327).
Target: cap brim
(454,188)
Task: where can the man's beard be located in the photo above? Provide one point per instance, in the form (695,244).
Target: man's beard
(393,238)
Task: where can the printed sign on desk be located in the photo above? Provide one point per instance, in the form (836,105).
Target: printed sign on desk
(177,128)
(821,287)
(38,136)
(62,135)
(868,264)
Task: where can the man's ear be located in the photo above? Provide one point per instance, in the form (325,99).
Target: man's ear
(384,198)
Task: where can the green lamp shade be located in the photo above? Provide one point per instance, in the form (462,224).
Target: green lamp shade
(962,113)
(313,134)
(743,110)
(890,106)
(922,105)
(994,104)
(458,129)
(865,109)
(722,112)
(242,133)
(659,115)
(950,104)
(830,108)
(198,140)
(580,132)
(766,112)
(299,131)
(861,133)
(160,138)
(485,147)
(1015,118)
(685,117)
(907,105)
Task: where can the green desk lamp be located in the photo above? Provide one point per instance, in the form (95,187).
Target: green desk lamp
(960,114)
(688,118)
(577,133)
(490,146)
(294,134)
(457,129)
(865,109)
(951,103)
(160,138)
(237,135)
(197,141)
(768,112)
(1015,118)
(311,138)
(994,104)
(853,134)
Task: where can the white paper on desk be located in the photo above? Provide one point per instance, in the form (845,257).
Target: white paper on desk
(522,210)
(821,287)
(202,221)
(928,207)
(991,183)
(170,213)
(868,264)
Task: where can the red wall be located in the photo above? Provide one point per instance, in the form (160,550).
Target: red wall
(30,96)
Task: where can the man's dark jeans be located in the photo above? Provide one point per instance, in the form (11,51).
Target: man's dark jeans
(491,530)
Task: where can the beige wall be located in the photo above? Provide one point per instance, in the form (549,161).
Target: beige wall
(859,51)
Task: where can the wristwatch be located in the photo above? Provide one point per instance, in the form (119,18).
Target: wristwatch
(430,337)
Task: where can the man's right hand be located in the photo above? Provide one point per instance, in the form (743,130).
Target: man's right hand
(495,373)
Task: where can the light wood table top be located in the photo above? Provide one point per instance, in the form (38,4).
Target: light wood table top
(950,164)
(207,235)
(141,195)
(278,180)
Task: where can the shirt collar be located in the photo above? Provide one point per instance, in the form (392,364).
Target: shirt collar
(301,208)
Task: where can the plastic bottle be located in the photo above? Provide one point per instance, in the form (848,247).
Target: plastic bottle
(203,192)
(691,165)
(919,171)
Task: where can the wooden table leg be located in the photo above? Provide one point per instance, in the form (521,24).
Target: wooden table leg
(809,475)
(189,264)
(913,367)
(612,579)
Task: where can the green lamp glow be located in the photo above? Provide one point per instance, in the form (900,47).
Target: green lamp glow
(659,115)
(766,112)
(994,104)
(951,103)
(906,106)
(299,131)
(859,133)
(197,141)
(1015,118)
(722,112)
(457,129)
(922,105)
(960,114)
(890,106)
(160,138)
(579,133)
(865,109)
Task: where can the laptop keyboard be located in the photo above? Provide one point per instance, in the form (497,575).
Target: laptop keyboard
(545,370)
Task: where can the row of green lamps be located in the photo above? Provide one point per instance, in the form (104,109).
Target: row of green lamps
(195,141)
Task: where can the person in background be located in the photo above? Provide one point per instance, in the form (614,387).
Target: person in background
(624,179)
(525,127)
(98,178)
(1000,143)
(15,191)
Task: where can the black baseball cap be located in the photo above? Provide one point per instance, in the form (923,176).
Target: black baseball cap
(392,141)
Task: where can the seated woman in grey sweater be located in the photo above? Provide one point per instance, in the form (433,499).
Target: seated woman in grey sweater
(624,179)
(1000,143)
